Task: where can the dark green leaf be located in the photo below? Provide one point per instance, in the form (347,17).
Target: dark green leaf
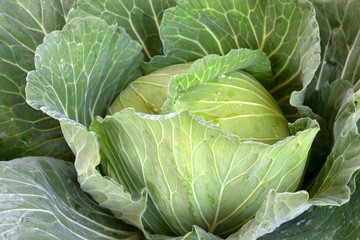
(275,210)
(40,198)
(23,130)
(323,223)
(339,22)
(332,166)
(140,18)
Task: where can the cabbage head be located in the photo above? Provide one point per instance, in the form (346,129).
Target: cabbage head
(197,144)
(206,161)
(212,139)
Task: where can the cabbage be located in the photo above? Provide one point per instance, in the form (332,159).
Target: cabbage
(187,119)
(191,168)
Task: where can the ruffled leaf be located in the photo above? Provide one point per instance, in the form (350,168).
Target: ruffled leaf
(81,69)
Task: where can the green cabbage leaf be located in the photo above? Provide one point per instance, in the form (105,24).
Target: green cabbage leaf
(41,199)
(23,130)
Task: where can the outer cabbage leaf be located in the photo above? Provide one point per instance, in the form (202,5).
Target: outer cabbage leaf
(323,223)
(330,99)
(330,185)
(140,18)
(285,30)
(106,192)
(23,130)
(339,34)
(41,199)
(80,70)
(336,107)
(276,209)
(192,170)
(340,42)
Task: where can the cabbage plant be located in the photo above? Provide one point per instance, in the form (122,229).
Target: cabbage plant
(186,119)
